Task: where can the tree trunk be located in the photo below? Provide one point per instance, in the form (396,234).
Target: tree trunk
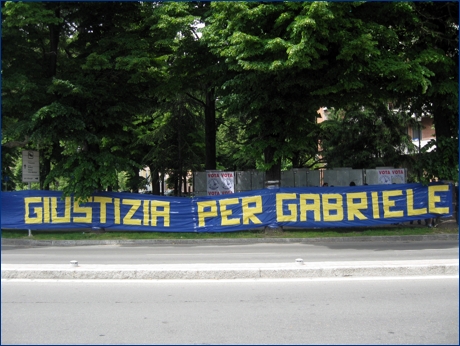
(54,42)
(210,129)
(155,177)
(274,173)
(185,183)
(296,160)
(162,184)
(178,176)
(443,130)
(272,180)
(176,183)
(442,122)
(54,31)
(45,170)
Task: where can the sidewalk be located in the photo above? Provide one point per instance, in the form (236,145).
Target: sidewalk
(232,271)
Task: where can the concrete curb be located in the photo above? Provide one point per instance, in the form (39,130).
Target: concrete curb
(231,271)
(31,242)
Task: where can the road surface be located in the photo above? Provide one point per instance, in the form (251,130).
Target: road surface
(235,253)
(322,311)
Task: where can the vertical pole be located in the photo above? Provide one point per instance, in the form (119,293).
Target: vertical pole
(458,180)
(419,125)
(1,133)
(30,231)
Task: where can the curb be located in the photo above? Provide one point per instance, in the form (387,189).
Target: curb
(232,271)
(31,242)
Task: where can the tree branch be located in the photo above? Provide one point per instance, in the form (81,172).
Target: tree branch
(13,144)
(194,98)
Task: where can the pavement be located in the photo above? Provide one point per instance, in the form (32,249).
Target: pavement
(231,271)
(188,271)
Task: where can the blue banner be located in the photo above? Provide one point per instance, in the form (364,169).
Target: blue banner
(313,207)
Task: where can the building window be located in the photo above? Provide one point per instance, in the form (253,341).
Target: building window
(417,133)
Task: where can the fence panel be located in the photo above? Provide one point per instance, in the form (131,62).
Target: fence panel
(288,178)
(258,180)
(199,184)
(243,181)
(302,177)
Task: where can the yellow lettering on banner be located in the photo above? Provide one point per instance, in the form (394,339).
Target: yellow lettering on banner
(135,204)
(103,209)
(410,205)
(328,206)
(37,210)
(375,205)
(116,211)
(433,199)
(387,204)
(54,216)
(315,206)
(212,205)
(146,212)
(354,208)
(249,212)
(46,210)
(88,211)
(160,213)
(226,213)
(280,217)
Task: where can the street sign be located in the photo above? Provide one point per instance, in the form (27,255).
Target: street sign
(30,166)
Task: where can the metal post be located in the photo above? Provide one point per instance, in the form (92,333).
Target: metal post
(457,187)
(419,126)
(30,231)
(272,184)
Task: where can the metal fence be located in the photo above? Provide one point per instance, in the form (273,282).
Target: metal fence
(300,177)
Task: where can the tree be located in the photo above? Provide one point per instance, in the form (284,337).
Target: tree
(109,65)
(176,129)
(343,55)
(195,72)
(419,66)
(29,59)
(104,88)
(365,138)
(269,99)
(436,38)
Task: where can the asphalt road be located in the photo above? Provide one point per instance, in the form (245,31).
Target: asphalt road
(327,311)
(236,253)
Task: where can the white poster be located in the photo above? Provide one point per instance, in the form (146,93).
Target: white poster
(30,166)
(220,183)
(392,176)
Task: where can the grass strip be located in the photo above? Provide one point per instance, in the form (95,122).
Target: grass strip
(397,230)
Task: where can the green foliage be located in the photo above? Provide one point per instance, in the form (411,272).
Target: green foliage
(267,99)
(88,172)
(9,159)
(122,181)
(107,87)
(365,138)
(438,163)
(109,66)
